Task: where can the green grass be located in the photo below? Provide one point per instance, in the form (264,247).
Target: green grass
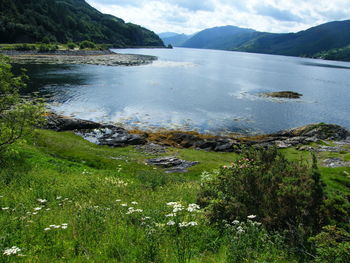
(81,183)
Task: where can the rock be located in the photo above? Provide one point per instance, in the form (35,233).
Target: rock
(176,165)
(151,148)
(319,132)
(112,136)
(63,123)
(335,162)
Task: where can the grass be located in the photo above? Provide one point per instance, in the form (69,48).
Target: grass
(81,183)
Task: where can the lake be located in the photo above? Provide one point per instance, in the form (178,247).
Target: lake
(209,91)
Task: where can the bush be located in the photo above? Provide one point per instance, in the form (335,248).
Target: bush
(87,45)
(332,245)
(47,47)
(18,116)
(24,47)
(71,45)
(285,195)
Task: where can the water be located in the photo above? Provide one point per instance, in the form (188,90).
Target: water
(204,90)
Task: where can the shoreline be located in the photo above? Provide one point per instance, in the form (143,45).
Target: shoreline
(91,57)
(114,136)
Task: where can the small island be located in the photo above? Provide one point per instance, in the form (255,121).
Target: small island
(282,94)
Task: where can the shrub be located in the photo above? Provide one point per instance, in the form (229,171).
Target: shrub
(24,47)
(17,115)
(47,47)
(87,45)
(71,45)
(332,245)
(285,195)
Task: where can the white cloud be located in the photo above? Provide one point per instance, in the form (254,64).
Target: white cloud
(190,16)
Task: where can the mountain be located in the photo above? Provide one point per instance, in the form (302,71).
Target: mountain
(224,37)
(176,40)
(167,34)
(30,21)
(305,43)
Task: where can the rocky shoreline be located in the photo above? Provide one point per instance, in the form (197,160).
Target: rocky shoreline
(92,57)
(118,137)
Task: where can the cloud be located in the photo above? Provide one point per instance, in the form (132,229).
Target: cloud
(190,16)
(276,13)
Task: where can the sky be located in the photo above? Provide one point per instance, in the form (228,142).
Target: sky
(191,16)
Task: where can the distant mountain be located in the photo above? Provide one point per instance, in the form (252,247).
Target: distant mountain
(304,43)
(225,37)
(167,34)
(67,20)
(176,40)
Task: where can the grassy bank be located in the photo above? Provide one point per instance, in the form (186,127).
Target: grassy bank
(64,199)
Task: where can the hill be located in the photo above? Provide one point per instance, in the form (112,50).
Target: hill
(67,20)
(176,40)
(225,37)
(304,43)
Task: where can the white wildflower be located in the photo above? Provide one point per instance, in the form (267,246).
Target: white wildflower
(34,213)
(251,216)
(183,224)
(193,207)
(235,222)
(11,251)
(48,209)
(118,200)
(134,203)
(5,208)
(124,205)
(170,215)
(42,201)
(240,230)
(192,223)
(170,223)
(37,208)
(172,203)
(58,197)
(47,229)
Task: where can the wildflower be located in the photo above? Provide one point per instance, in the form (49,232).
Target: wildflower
(34,213)
(193,207)
(170,215)
(170,223)
(134,203)
(251,216)
(58,197)
(118,200)
(225,167)
(42,201)
(124,205)
(183,224)
(11,251)
(235,222)
(240,230)
(145,218)
(47,229)
(5,208)
(192,223)
(64,227)
(37,208)
(172,203)
(48,209)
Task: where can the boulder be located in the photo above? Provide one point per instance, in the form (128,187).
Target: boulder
(63,123)
(175,164)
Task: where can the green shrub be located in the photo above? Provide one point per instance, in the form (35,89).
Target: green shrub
(332,245)
(248,241)
(18,116)
(47,47)
(285,195)
(24,47)
(71,45)
(87,45)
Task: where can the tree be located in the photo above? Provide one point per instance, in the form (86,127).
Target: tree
(18,115)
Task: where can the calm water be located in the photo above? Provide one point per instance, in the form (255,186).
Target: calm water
(204,90)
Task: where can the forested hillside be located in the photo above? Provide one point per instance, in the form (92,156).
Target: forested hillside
(67,20)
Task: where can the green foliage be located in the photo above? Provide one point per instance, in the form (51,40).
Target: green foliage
(285,195)
(50,21)
(17,115)
(71,45)
(87,45)
(47,47)
(248,241)
(332,245)
(342,54)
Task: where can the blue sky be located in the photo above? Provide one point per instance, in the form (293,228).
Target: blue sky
(190,16)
